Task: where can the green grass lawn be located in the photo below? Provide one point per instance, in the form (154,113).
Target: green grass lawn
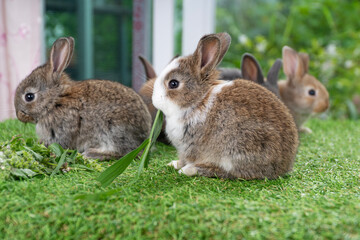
(320,199)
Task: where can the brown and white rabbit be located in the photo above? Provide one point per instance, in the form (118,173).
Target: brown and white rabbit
(302,93)
(99,118)
(226,129)
(146,92)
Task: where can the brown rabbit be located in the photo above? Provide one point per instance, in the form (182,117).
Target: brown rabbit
(99,118)
(229,73)
(146,89)
(228,129)
(302,93)
(251,70)
(146,92)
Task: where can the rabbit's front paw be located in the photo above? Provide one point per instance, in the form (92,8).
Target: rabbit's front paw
(305,130)
(189,170)
(175,164)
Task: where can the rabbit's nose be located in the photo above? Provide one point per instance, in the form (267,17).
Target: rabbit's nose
(322,106)
(327,104)
(23,117)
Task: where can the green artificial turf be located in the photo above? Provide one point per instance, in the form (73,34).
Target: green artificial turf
(320,199)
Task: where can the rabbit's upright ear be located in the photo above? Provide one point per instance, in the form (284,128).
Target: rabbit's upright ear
(149,70)
(250,69)
(273,74)
(211,50)
(60,56)
(305,59)
(293,65)
(72,47)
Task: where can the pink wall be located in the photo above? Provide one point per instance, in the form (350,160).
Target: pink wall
(21,31)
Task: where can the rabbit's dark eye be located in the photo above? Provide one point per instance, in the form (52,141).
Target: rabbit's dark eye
(173,84)
(312,92)
(29,97)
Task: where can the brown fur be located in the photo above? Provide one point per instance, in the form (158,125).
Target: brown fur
(246,127)
(294,91)
(266,140)
(100,118)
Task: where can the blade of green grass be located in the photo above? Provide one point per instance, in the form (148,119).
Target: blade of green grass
(81,167)
(36,155)
(60,163)
(108,176)
(72,157)
(155,131)
(143,159)
(57,149)
(157,126)
(19,173)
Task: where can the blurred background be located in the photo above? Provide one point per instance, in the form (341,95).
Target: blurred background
(110,34)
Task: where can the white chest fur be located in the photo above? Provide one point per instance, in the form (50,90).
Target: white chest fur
(41,131)
(175,126)
(177,118)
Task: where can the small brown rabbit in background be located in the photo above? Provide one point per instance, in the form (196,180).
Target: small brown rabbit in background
(302,93)
(146,89)
(251,70)
(146,92)
(99,118)
(226,129)
(229,73)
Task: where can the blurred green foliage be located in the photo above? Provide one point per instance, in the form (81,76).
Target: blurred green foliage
(328,30)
